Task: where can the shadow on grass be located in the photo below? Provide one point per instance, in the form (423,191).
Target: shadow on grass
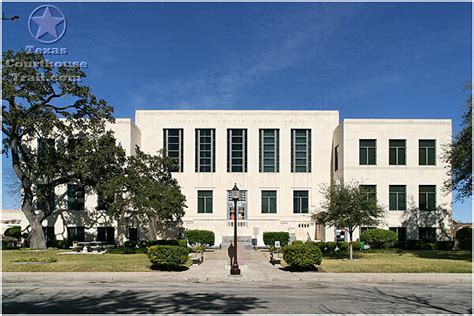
(443,254)
(169,268)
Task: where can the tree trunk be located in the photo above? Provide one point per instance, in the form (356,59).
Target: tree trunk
(151,228)
(37,238)
(350,245)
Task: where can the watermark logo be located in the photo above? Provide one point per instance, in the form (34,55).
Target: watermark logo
(47,24)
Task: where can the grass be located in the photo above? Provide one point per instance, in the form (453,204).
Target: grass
(403,261)
(75,262)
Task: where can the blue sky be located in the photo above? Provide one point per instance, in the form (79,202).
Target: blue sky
(378,60)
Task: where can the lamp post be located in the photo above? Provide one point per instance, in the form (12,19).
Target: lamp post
(234,269)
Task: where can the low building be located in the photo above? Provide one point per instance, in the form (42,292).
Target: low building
(280,160)
(11,218)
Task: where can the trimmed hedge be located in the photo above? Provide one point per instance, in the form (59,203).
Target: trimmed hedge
(129,244)
(331,246)
(444,245)
(169,256)
(183,243)
(302,256)
(464,237)
(356,245)
(343,246)
(321,245)
(269,238)
(203,237)
(297,242)
(379,238)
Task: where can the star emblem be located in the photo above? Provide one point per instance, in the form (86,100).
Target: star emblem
(47,31)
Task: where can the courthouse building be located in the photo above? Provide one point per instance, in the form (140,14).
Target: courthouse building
(280,160)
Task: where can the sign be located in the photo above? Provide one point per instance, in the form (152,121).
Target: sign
(277,244)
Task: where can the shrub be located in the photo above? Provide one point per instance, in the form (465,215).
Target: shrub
(302,256)
(269,238)
(343,246)
(170,256)
(464,237)
(379,238)
(297,242)
(163,242)
(356,245)
(130,244)
(203,237)
(331,246)
(321,245)
(183,243)
(14,231)
(122,251)
(414,244)
(444,245)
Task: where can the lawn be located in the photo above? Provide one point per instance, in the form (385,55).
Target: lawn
(406,261)
(74,262)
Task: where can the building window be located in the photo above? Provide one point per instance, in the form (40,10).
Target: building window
(49,233)
(269,202)
(205,150)
(269,148)
(427,152)
(370,191)
(397,152)
(75,197)
(204,201)
(401,232)
(300,201)
(367,151)
(397,196)
(173,144)
(427,234)
(300,150)
(75,234)
(103,203)
(106,234)
(336,158)
(133,234)
(43,196)
(427,197)
(236,150)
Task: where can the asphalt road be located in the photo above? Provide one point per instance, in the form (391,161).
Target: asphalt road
(56,295)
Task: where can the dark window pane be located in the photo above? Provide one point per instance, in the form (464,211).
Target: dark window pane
(392,156)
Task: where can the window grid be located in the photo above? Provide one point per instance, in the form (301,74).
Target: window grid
(300,201)
(236,150)
(269,202)
(75,197)
(269,148)
(367,152)
(397,198)
(173,144)
(300,150)
(204,201)
(427,152)
(205,148)
(370,191)
(427,197)
(397,152)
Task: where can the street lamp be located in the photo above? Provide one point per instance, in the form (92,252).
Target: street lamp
(235,193)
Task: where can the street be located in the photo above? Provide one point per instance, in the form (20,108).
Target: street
(153,293)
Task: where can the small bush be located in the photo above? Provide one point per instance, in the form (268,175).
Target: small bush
(321,245)
(163,242)
(444,245)
(379,238)
(343,246)
(297,242)
(169,256)
(302,256)
(331,246)
(414,244)
(356,245)
(203,237)
(269,238)
(130,244)
(464,237)
(183,243)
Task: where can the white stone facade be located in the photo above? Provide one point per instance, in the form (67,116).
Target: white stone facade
(317,154)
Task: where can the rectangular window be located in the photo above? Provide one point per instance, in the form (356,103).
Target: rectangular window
(75,234)
(43,196)
(133,234)
(427,152)
(370,191)
(236,150)
(49,233)
(269,202)
(300,150)
(269,148)
(336,158)
(397,198)
(427,197)
(300,201)
(173,145)
(75,197)
(367,151)
(397,152)
(401,232)
(103,202)
(427,234)
(205,143)
(106,234)
(204,201)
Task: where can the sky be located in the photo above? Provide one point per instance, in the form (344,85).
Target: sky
(367,60)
